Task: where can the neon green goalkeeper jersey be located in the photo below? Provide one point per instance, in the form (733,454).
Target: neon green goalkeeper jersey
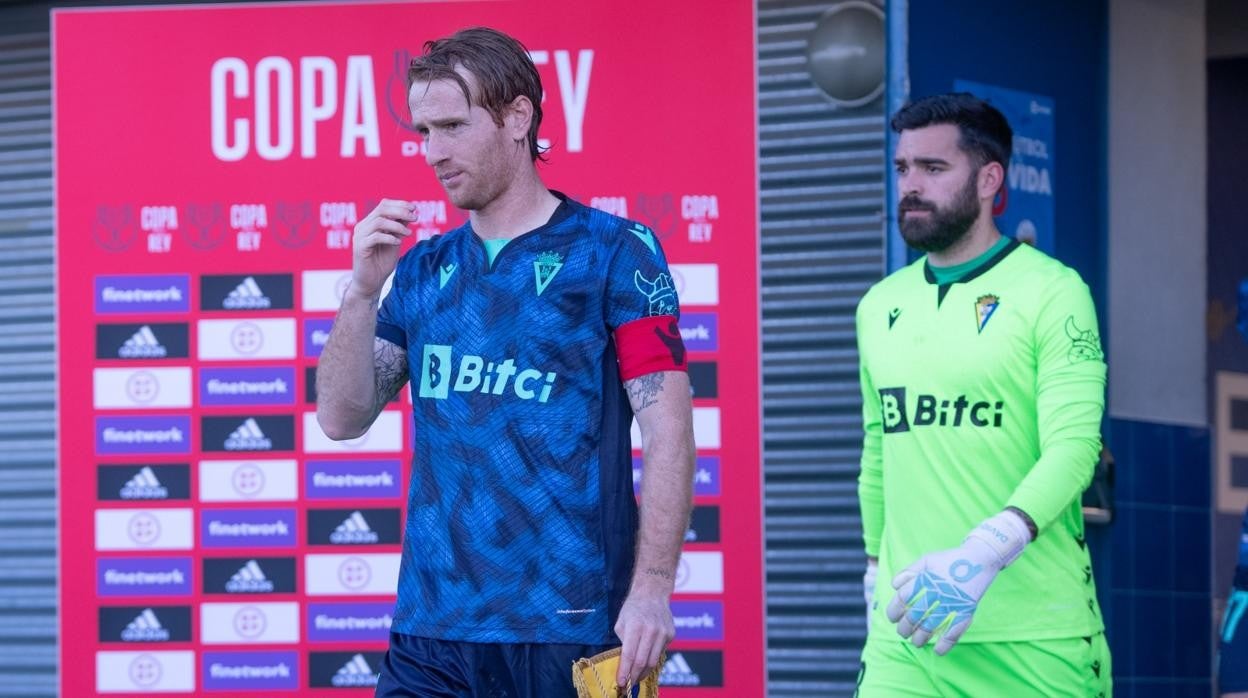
(977,395)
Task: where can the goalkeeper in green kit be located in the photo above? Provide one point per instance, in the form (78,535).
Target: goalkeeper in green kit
(983,388)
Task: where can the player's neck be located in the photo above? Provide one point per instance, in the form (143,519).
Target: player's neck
(982,236)
(526,204)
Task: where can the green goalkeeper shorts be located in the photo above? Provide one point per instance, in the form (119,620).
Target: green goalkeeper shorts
(894,668)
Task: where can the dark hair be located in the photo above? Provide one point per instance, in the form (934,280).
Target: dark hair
(984,132)
(500,64)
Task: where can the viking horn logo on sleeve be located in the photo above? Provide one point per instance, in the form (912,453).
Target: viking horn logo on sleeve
(660,293)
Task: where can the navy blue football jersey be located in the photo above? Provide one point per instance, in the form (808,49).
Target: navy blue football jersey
(521,518)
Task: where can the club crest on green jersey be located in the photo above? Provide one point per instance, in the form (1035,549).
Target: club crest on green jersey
(985,306)
(544,269)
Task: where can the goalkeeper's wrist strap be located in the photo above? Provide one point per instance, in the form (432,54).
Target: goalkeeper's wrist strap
(1006,534)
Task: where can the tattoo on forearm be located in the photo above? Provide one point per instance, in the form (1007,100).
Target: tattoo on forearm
(390,374)
(644,390)
(656,572)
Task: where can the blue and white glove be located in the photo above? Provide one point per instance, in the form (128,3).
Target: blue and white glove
(868,585)
(938,595)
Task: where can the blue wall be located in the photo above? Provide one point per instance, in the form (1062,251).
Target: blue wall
(1055,48)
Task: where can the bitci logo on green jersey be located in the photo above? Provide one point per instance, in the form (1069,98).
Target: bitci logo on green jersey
(475,374)
(930,410)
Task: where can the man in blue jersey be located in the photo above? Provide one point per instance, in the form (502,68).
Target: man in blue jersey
(532,335)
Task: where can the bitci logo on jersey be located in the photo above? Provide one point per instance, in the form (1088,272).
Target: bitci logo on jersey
(479,375)
(930,410)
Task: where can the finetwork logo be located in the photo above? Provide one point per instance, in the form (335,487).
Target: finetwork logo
(143,576)
(348,479)
(255,672)
(144,485)
(476,374)
(349,622)
(249,579)
(145,627)
(354,530)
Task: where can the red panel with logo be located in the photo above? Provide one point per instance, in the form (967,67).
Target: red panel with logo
(210,165)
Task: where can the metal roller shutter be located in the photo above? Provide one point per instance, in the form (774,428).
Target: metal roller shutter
(822,205)
(27,373)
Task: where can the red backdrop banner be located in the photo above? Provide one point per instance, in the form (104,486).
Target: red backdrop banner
(211,162)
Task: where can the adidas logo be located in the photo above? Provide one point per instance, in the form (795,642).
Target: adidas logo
(356,672)
(143,345)
(144,485)
(249,579)
(247,296)
(145,628)
(677,672)
(354,529)
(248,437)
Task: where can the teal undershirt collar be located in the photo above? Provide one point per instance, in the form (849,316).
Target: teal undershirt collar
(493,247)
(948,275)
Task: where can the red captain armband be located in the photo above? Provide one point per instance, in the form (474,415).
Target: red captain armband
(650,345)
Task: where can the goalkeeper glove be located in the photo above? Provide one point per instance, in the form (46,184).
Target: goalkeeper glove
(938,594)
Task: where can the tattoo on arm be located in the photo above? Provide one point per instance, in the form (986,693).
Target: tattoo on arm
(656,572)
(389,372)
(643,390)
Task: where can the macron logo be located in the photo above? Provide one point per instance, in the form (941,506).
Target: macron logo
(247,296)
(356,672)
(144,485)
(353,530)
(249,579)
(248,437)
(145,627)
(143,345)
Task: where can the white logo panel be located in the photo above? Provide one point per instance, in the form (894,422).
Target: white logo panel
(256,338)
(700,573)
(696,284)
(249,623)
(323,289)
(706,433)
(138,672)
(360,574)
(385,436)
(143,529)
(248,481)
(123,388)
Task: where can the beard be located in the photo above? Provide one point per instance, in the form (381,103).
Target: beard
(943,227)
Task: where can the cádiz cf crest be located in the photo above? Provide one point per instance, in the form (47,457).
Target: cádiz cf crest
(984,308)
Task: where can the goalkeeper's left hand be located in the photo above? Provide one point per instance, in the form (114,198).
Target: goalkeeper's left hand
(938,595)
